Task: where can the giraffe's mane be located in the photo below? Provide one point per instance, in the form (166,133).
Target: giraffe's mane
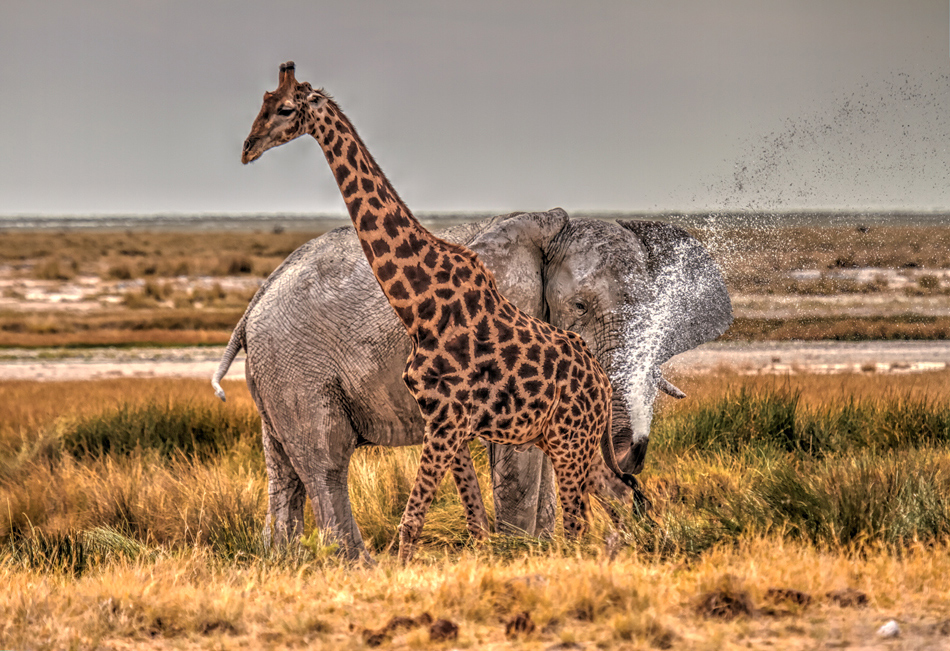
(370,161)
(455,248)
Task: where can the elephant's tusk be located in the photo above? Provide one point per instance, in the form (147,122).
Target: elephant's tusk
(666,387)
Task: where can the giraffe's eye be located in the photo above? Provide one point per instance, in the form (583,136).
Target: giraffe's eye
(285,110)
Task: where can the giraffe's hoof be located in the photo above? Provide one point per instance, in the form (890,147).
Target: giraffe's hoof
(407,545)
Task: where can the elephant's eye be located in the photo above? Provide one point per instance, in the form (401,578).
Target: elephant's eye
(580,306)
(285,110)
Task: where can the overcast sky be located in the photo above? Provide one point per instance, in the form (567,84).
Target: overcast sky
(142,107)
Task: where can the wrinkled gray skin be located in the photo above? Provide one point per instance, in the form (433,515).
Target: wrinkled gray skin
(325,353)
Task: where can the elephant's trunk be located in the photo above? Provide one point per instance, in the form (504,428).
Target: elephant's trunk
(635,390)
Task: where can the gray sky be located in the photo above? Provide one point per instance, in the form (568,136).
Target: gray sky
(141,107)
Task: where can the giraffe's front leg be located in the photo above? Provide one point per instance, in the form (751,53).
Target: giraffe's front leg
(463,470)
(438,453)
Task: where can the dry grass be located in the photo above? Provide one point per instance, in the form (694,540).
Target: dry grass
(143,547)
(30,407)
(840,328)
(193,601)
(815,390)
(123,255)
(756,260)
(147,325)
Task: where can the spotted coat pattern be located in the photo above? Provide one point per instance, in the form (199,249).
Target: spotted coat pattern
(479,366)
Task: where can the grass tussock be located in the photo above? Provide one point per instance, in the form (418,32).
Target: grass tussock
(134,509)
(190,429)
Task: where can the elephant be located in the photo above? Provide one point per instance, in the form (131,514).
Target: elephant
(325,353)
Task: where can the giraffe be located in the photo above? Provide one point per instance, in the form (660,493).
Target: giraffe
(479,366)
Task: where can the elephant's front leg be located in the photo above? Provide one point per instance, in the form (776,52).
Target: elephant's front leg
(523,489)
(463,470)
(438,453)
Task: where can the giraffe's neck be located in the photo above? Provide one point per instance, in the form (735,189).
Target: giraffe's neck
(399,249)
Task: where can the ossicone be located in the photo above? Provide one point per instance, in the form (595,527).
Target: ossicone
(286,75)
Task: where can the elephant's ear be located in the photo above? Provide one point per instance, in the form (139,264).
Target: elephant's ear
(514,250)
(689,287)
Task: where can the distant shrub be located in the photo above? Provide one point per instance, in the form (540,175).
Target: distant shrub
(138,300)
(157,291)
(120,271)
(209,295)
(56,269)
(928,282)
(234,266)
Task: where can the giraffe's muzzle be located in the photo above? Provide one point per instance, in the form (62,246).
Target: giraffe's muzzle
(250,152)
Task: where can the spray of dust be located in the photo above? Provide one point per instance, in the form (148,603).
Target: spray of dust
(873,155)
(882,148)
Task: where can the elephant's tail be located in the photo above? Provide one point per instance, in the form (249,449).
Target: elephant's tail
(235,344)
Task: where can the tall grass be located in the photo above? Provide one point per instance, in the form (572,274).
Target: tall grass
(745,419)
(176,469)
(188,429)
(854,472)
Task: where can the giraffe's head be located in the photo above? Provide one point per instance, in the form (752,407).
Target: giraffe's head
(287,113)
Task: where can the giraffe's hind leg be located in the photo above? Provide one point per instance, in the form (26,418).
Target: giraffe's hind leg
(439,452)
(463,470)
(572,467)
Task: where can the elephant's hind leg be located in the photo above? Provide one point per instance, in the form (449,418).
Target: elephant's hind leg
(523,491)
(466,481)
(285,493)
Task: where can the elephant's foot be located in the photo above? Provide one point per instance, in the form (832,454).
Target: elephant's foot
(356,554)
(281,534)
(367,561)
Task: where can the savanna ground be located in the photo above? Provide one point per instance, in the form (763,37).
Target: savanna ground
(86,288)
(788,512)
